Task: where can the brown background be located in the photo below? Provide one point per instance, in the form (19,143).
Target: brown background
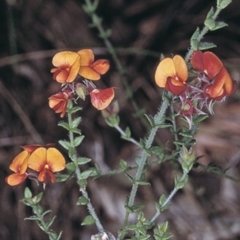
(208,208)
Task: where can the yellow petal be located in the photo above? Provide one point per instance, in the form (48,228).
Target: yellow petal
(64,59)
(89,73)
(19,163)
(180,68)
(86,57)
(164,70)
(55,160)
(37,160)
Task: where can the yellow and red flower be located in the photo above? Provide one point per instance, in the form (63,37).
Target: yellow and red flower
(59,101)
(218,83)
(67,65)
(88,68)
(101,98)
(46,161)
(172,74)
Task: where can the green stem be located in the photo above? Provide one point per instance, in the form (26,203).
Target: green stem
(102,32)
(167,201)
(78,175)
(158,118)
(123,134)
(201,35)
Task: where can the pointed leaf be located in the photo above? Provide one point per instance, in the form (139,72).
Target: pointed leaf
(65,125)
(78,140)
(82,201)
(88,220)
(76,122)
(65,144)
(83,160)
(206,45)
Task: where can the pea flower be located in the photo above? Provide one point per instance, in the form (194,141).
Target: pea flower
(215,80)
(90,69)
(59,101)
(172,74)
(67,65)
(19,166)
(101,98)
(46,161)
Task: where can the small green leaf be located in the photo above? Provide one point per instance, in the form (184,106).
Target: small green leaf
(162,199)
(65,125)
(65,144)
(179,182)
(82,201)
(37,210)
(210,23)
(76,130)
(206,45)
(143,183)
(127,135)
(78,140)
(83,160)
(106,34)
(112,121)
(136,208)
(74,109)
(71,166)
(196,34)
(86,174)
(150,120)
(32,218)
(76,122)
(88,220)
(210,13)
(223,3)
(50,222)
(220,25)
(82,183)
(38,198)
(27,193)
(123,164)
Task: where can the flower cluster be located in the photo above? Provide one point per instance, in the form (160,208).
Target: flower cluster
(36,162)
(212,82)
(67,66)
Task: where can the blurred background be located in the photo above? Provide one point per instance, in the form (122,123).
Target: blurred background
(33,31)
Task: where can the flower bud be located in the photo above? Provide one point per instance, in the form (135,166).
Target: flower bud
(81,90)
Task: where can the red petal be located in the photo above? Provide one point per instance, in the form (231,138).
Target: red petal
(46,176)
(212,64)
(175,87)
(101,66)
(100,99)
(197,61)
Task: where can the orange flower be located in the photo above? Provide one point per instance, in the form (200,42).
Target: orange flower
(90,69)
(67,65)
(59,101)
(46,162)
(172,74)
(100,99)
(219,83)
